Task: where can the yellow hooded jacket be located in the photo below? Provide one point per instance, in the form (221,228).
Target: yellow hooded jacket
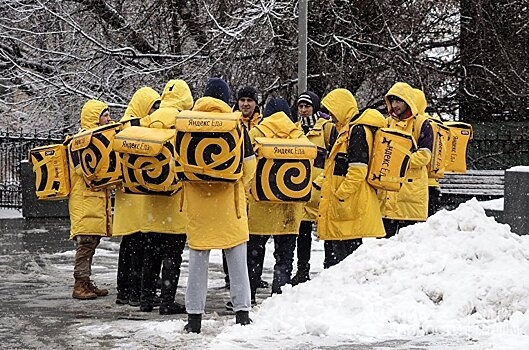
(250,123)
(216,211)
(268,218)
(420,101)
(162,214)
(349,207)
(128,207)
(90,211)
(319,135)
(411,202)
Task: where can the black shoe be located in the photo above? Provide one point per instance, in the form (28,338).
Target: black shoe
(134,301)
(146,308)
(194,322)
(263,284)
(172,309)
(229,305)
(122,299)
(242,318)
(299,278)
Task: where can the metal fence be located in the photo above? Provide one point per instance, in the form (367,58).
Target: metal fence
(14,147)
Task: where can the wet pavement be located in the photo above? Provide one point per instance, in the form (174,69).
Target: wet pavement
(36,282)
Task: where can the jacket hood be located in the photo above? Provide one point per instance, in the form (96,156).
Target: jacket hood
(405,92)
(140,104)
(91,112)
(211,104)
(280,125)
(371,117)
(176,94)
(420,101)
(342,104)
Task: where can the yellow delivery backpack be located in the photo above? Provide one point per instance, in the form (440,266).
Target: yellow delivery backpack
(209,146)
(99,163)
(460,135)
(52,176)
(390,159)
(284,169)
(441,137)
(147,160)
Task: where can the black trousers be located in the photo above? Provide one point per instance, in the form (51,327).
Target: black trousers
(130,263)
(392,227)
(304,246)
(337,251)
(284,246)
(433,199)
(161,250)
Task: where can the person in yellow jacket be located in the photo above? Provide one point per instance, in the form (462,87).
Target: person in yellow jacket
(163,225)
(319,129)
(410,204)
(280,220)
(434,190)
(128,207)
(217,219)
(349,207)
(90,211)
(247,103)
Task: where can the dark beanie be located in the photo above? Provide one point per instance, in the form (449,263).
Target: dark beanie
(217,88)
(275,105)
(311,98)
(248,91)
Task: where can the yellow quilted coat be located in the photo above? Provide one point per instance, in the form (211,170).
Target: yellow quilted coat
(90,211)
(349,207)
(320,136)
(268,218)
(129,206)
(162,214)
(411,202)
(216,211)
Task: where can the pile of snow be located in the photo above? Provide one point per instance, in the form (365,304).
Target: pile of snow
(458,274)
(493,204)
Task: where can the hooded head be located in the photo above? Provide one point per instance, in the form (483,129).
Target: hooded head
(275,105)
(219,89)
(176,94)
(342,106)
(420,101)
(141,103)
(404,92)
(91,112)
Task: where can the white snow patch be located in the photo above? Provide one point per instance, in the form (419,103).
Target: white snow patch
(460,274)
(8,213)
(493,204)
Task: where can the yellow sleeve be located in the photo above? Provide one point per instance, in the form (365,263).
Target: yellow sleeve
(420,158)
(355,176)
(248,171)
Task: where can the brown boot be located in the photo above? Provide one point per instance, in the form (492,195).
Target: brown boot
(99,292)
(82,290)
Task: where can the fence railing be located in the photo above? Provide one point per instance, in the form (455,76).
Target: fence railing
(14,147)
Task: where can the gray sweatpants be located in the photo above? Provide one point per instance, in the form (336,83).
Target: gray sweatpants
(197,282)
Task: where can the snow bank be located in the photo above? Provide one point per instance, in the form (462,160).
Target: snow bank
(7,213)
(458,274)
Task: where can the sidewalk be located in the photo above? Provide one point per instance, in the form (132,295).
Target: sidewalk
(38,312)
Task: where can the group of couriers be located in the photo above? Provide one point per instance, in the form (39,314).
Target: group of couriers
(343,206)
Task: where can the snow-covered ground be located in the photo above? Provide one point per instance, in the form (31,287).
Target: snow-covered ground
(10,213)
(458,281)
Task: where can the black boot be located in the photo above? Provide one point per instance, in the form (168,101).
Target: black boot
(242,318)
(194,322)
(172,309)
(300,277)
